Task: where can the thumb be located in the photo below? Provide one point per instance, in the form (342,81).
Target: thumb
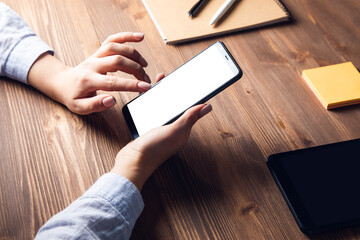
(192,115)
(97,103)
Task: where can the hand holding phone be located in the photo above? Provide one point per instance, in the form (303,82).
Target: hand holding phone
(196,81)
(141,157)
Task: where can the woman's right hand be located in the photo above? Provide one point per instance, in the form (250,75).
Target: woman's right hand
(140,158)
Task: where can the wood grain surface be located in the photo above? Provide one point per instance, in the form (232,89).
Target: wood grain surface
(217,186)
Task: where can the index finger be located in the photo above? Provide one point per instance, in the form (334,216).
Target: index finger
(113,83)
(124,37)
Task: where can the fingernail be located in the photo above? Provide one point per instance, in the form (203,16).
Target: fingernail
(205,110)
(143,62)
(138,35)
(147,79)
(109,101)
(143,85)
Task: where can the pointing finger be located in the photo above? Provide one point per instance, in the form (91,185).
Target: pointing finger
(113,83)
(124,37)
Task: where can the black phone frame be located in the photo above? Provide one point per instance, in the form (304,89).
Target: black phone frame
(127,115)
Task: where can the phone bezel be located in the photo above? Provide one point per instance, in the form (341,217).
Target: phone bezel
(125,110)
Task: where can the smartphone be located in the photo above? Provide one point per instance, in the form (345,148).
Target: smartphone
(195,82)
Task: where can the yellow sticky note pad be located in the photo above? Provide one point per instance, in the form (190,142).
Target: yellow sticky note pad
(335,85)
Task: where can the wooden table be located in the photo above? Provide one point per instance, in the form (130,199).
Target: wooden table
(217,186)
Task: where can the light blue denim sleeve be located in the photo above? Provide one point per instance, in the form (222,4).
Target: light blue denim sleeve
(19,45)
(108,210)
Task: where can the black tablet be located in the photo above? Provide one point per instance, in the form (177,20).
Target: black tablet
(320,185)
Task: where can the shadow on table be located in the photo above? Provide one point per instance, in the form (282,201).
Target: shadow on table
(187,194)
(177,190)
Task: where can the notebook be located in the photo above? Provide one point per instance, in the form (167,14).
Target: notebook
(335,85)
(174,25)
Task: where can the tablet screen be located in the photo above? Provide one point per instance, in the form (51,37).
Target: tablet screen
(321,184)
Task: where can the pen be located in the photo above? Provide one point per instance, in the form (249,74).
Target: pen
(222,10)
(196,8)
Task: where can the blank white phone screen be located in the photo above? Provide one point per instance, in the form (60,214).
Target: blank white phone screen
(182,88)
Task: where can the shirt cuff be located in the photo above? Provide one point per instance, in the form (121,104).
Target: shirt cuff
(121,193)
(23,56)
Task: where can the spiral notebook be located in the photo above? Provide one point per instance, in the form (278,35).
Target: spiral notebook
(174,25)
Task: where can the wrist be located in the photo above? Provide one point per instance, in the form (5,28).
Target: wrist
(128,165)
(46,75)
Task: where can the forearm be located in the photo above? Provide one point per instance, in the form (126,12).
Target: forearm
(108,210)
(19,45)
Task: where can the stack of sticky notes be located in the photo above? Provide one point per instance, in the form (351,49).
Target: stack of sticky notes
(335,85)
